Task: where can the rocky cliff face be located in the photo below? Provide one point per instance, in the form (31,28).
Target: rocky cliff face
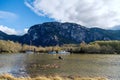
(56,33)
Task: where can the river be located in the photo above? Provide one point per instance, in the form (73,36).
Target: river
(84,65)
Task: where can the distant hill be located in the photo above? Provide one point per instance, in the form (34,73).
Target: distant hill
(4,36)
(116,27)
(56,33)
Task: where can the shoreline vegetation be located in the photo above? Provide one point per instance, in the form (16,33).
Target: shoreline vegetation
(55,77)
(97,47)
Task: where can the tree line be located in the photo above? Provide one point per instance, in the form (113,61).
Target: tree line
(105,47)
(101,47)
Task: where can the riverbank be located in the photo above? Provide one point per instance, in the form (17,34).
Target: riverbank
(96,47)
(56,77)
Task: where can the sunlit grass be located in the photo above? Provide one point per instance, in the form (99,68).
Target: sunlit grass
(56,77)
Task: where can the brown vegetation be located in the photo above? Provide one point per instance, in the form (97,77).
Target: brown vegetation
(10,77)
(105,47)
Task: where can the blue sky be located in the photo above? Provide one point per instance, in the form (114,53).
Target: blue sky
(18,15)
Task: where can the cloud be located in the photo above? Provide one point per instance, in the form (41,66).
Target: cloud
(12,31)
(34,9)
(102,13)
(25,30)
(7,15)
(7,30)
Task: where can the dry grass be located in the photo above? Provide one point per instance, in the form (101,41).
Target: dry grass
(10,77)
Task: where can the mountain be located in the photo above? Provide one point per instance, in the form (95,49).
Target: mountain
(56,33)
(4,36)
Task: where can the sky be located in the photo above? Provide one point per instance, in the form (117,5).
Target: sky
(17,16)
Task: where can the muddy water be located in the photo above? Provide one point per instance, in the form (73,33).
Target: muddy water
(86,65)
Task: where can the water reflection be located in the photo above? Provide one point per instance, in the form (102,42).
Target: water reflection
(12,63)
(44,64)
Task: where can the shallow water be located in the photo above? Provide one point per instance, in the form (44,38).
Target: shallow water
(87,65)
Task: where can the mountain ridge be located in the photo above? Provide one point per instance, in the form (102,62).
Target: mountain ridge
(4,36)
(56,33)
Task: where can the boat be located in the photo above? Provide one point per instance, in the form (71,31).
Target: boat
(63,52)
(52,52)
(59,52)
(29,52)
